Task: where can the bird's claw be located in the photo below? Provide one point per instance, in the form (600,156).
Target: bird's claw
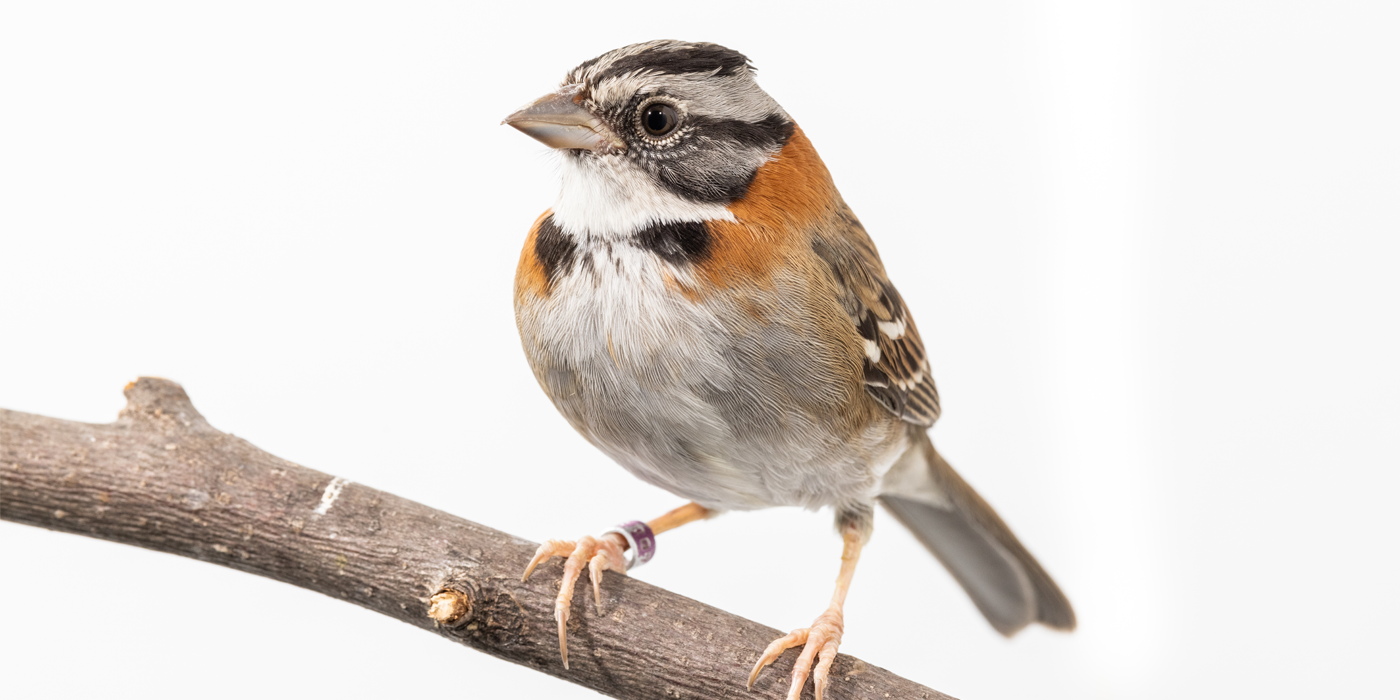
(819,642)
(599,554)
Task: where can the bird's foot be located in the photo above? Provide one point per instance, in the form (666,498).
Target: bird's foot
(819,643)
(598,553)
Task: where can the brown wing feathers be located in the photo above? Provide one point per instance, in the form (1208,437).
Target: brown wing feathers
(794,192)
(896,368)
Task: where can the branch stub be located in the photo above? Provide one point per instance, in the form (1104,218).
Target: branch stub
(450,607)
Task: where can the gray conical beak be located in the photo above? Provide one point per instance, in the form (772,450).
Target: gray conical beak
(558,122)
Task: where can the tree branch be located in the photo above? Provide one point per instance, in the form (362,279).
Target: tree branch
(161,477)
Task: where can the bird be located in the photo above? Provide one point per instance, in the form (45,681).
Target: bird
(703,307)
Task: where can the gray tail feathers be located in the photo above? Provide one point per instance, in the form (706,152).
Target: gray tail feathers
(1005,582)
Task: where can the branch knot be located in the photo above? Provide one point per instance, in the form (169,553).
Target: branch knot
(451,607)
(162,401)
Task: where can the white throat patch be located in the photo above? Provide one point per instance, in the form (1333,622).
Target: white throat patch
(607,197)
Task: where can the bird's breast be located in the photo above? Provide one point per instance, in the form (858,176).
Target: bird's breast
(625,349)
(734,396)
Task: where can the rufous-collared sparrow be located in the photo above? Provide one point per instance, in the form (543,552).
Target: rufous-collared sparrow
(702,306)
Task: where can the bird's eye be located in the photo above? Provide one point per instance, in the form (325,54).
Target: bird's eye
(659,119)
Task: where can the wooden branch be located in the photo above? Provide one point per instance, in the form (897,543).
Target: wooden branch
(163,478)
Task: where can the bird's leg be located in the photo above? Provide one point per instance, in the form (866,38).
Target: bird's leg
(821,640)
(599,554)
(673,519)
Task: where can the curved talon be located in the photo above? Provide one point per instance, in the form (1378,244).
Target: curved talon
(775,650)
(599,555)
(595,574)
(801,669)
(608,556)
(825,658)
(573,566)
(819,644)
(563,635)
(547,551)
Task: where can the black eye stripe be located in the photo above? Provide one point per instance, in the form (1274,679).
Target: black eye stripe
(704,183)
(772,132)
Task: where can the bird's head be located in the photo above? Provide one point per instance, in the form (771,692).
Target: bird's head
(684,119)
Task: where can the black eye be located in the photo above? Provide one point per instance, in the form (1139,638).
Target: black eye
(659,119)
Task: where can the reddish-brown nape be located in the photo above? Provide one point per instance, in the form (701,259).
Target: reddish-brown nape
(788,196)
(530,275)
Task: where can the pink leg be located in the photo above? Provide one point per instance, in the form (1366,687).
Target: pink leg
(820,641)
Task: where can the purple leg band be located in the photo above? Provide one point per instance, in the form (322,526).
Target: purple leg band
(646,541)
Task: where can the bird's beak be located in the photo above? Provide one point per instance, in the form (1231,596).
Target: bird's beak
(558,122)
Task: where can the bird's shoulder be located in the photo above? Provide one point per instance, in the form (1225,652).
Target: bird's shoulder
(793,221)
(895,364)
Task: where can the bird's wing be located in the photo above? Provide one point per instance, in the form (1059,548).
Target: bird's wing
(896,368)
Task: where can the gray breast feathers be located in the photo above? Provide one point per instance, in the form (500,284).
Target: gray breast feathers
(700,395)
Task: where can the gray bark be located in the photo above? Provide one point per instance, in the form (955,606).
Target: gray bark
(161,477)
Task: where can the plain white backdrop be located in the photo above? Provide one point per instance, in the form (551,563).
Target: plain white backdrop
(1152,248)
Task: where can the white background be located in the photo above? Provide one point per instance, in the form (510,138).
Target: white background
(1152,248)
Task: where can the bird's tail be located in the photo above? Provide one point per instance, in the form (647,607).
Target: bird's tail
(1007,584)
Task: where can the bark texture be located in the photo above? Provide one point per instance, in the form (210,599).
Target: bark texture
(162,478)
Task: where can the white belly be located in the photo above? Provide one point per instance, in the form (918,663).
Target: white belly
(683,399)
